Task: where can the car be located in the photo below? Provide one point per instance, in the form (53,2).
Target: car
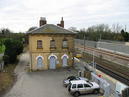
(71,78)
(78,55)
(78,87)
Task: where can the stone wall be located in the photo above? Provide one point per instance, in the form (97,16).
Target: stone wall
(46,51)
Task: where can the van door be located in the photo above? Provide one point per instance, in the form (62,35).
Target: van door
(81,88)
(88,88)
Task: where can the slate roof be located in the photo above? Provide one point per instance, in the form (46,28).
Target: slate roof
(50,29)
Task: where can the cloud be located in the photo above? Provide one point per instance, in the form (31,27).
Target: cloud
(20,15)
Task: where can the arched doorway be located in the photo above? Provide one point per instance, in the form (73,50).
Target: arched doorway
(52,61)
(39,62)
(64,60)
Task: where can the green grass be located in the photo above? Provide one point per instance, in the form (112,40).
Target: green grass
(2,49)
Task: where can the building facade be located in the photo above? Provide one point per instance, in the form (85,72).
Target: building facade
(51,46)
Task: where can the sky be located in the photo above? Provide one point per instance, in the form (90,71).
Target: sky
(20,15)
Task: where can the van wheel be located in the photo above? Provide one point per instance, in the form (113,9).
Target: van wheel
(76,94)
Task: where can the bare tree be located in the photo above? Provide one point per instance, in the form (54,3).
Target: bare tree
(116,28)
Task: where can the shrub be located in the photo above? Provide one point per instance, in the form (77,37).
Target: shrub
(13,48)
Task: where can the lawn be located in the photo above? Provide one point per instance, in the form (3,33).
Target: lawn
(2,49)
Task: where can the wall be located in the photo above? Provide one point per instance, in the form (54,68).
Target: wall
(117,47)
(114,47)
(46,51)
(87,42)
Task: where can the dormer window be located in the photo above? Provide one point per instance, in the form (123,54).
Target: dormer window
(65,43)
(39,44)
(52,44)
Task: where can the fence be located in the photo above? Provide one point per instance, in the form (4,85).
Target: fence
(87,43)
(103,84)
(114,47)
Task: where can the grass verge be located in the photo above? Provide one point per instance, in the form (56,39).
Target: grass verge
(6,79)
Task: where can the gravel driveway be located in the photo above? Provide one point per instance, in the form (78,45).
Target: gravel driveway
(40,84)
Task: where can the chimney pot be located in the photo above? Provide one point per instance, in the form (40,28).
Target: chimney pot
(62,22)
(42,21)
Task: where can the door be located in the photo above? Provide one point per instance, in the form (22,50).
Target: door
(39,62)
(52,62)
(81,89)
(64,61)
(88,88)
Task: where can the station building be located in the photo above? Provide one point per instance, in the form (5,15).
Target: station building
(51,46)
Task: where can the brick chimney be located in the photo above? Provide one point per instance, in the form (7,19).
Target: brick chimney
(61,23)
(42,21)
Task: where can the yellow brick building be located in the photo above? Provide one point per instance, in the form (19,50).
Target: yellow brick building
(51,46)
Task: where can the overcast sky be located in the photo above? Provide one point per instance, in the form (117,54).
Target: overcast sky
(20,15)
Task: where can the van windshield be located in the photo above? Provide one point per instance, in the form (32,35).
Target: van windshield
(90,84)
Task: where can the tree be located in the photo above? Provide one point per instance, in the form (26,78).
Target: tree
(13,48)
(116,28)
(96,32)
(5,31)
(125,35)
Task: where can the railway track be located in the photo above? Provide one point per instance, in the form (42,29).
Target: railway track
(120,71)
(119,56)
(113,74)
(118,74)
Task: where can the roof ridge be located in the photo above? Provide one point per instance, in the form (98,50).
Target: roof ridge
(44,29)
(63,28)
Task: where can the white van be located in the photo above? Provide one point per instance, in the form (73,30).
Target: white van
(82,87)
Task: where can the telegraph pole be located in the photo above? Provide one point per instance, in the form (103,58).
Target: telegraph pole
(93,62)
(100,37)
(84,42)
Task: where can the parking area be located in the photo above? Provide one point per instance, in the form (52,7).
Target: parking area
(43,84)
(47,83)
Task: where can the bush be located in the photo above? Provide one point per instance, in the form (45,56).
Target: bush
(13,48)
(6,58)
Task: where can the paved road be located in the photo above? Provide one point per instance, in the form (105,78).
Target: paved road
(40,84)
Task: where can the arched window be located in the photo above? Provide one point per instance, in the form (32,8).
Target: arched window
(65,43)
